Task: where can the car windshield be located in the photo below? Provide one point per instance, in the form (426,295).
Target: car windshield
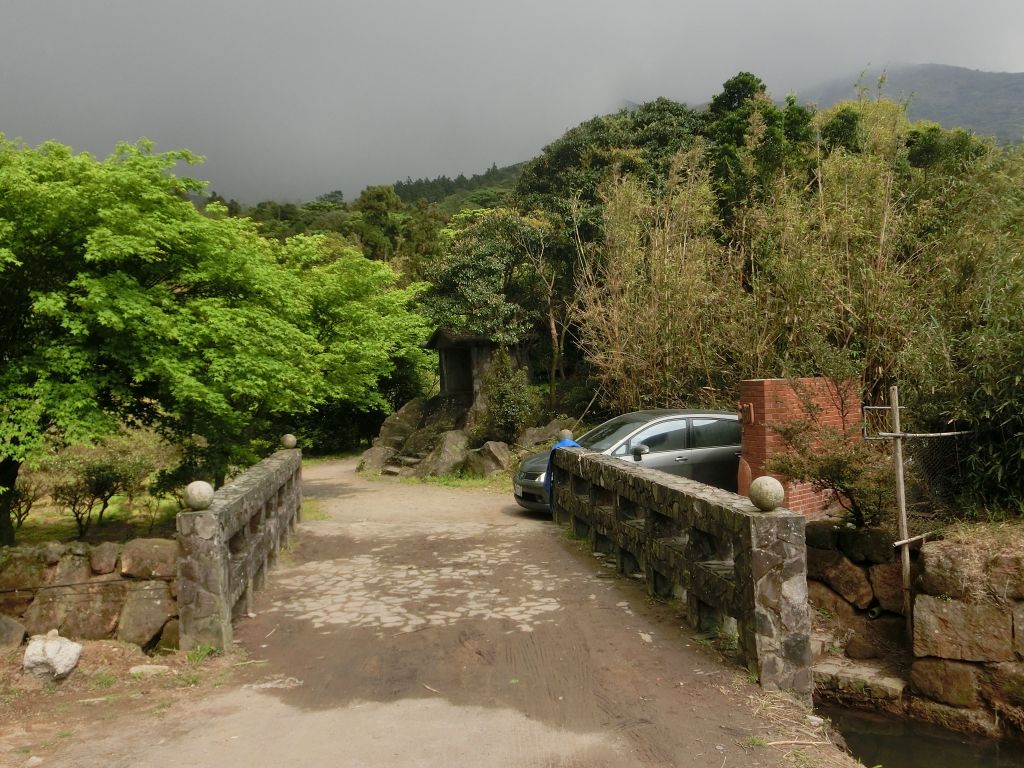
(603,437)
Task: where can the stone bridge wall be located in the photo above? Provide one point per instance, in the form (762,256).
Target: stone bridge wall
(712,549)
(227,548)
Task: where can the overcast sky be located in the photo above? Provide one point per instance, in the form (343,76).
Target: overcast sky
(292,99)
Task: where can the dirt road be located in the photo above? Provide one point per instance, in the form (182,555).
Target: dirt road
(429,626)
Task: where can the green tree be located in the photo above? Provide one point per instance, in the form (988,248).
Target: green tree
(123,303)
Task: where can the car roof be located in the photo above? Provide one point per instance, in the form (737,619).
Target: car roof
(658,413)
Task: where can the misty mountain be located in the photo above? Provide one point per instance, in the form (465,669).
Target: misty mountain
(988,103)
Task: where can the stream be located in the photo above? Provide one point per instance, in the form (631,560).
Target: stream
(890,742)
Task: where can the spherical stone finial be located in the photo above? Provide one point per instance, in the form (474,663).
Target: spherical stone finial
(199,495)
(767,493)
(289,441)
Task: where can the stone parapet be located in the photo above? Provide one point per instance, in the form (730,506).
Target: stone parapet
(713,549)
(227,548)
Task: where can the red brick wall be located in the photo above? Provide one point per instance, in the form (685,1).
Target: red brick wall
(769,403)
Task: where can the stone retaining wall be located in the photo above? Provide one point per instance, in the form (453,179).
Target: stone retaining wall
(127,592)
(227,548)
(966,656)
(712,549)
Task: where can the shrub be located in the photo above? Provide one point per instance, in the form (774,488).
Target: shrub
(510,400)
(859,475)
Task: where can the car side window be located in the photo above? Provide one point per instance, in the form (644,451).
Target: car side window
(665,436)
(711,433)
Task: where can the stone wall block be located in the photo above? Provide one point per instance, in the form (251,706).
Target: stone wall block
(834,569)
(1006,682)
(147,608)
(150,559)
(950,682)
(943,571)
(1005,574)
(867,545)
(822,534)
(24,569)
(103,557)
(951,629)
(887,584)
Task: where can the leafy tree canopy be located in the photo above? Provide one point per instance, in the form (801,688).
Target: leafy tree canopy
(125,304)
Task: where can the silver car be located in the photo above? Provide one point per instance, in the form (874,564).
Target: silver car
(699,444)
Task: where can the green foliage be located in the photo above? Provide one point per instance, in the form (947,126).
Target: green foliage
(858,474)
(125,304)
(898,262)
(489,189)
(485,282)
(510,401)
(200,654)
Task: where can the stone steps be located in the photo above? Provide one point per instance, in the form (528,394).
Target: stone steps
(391,469)
(408,461)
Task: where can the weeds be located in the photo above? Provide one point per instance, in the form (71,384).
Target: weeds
(200,653)
(104,679)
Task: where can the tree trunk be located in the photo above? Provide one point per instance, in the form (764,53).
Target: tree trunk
(556,355)
(8,477)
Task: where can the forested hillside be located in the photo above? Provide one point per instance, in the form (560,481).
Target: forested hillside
(988,103)
(481,190)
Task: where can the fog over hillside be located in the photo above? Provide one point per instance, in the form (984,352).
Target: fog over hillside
(289,100)
(988,103)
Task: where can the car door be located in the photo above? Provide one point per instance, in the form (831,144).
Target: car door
(715,451)
(666,441)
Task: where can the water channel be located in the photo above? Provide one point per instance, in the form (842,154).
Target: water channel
(896,743)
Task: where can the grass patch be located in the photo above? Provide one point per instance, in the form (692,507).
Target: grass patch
(48,522)
(313,511)
(498,483)
(104,679)
(200,654)
(755,741)
(312,461)
(187,679)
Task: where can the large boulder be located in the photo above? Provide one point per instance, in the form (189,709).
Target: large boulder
(490,459)
(51,656)
(147,609)
(447,456)
(150,559)
(399,425)
(11,632)
(532,436)
(22,571)
(951,629)
(376,458)
(838,572)
(950,682)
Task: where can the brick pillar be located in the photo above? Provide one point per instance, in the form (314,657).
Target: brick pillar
(766,404)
